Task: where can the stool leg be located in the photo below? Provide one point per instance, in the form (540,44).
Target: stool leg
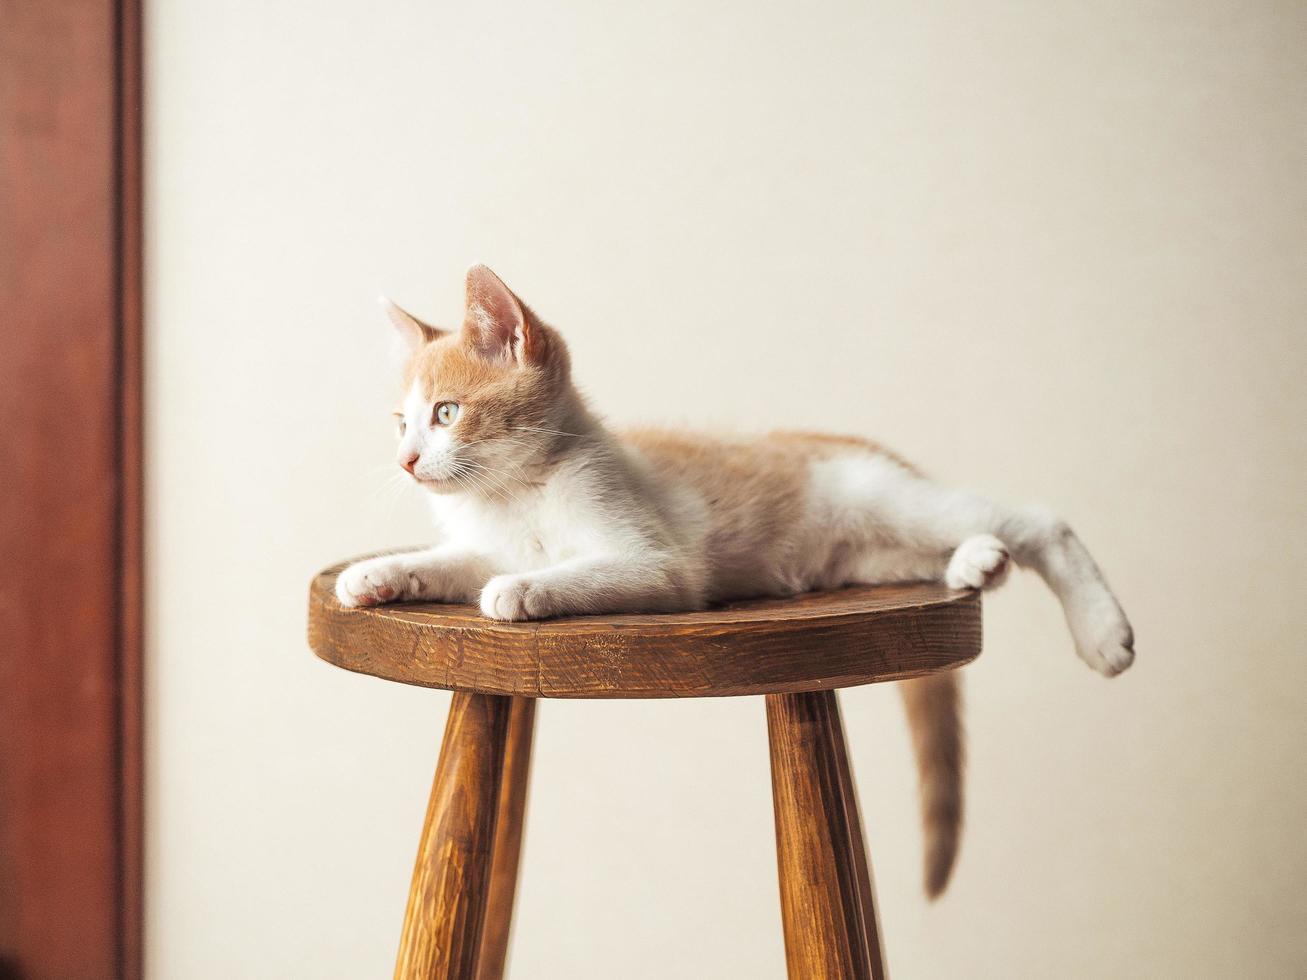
(448,898)
(827,905)
(508,840)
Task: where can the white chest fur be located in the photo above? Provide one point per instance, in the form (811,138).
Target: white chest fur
(531,529)
(508,530)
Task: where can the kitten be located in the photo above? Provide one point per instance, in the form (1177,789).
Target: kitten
(545,512)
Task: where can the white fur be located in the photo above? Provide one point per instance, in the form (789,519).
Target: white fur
(981,562)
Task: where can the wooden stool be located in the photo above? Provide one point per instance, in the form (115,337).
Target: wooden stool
(794,651)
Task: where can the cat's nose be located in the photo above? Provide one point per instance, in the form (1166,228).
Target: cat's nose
(410,462)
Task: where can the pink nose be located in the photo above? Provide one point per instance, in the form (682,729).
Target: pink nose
(409,463)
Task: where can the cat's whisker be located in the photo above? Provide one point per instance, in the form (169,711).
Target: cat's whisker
(552,432)
(541,452)
(499,485)
(513,441)
(464,471)
(519,468)
(391,487)
(502,480)
(393,490)
(487,466)
(465,483)
(500,474)
(485,485)
(517,479)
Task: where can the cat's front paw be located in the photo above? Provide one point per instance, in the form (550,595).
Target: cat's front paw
(372,582)
(981,562)
(516,597)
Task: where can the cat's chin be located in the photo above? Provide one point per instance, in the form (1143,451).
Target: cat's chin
(437,485)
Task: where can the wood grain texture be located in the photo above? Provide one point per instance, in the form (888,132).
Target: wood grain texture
(856,856)
(508,840)
(449,895)
(827,905)
(817,641)
(70,275)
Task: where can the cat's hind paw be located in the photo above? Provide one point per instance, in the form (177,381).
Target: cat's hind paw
(1103,636)
(980,562)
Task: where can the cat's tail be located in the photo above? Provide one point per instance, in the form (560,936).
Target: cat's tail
(933,706)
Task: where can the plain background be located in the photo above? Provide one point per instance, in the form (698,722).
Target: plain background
(1054,251)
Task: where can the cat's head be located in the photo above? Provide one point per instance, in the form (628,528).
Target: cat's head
(483,405)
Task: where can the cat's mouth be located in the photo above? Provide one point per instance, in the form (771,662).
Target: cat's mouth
(437,484)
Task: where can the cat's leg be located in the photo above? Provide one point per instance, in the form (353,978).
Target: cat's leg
(449,573)
(1046,544)
(888,565)
(905,511)
(1103,635)
(591,585)
(979,562)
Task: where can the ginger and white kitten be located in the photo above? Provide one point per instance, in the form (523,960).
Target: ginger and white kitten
(543,511)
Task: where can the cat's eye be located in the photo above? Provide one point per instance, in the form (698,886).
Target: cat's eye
(446,413)
(400,425)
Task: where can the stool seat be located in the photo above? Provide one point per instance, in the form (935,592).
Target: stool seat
(811,642)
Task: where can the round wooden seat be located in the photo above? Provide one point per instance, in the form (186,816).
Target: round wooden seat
(812,642)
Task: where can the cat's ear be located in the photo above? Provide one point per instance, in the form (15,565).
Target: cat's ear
(496,324)
(413,333)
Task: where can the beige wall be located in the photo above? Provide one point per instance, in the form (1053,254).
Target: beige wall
(1054,251)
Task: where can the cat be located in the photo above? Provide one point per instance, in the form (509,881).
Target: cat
(545,512)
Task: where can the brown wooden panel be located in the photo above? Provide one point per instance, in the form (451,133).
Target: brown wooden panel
(131,484)
(69,490)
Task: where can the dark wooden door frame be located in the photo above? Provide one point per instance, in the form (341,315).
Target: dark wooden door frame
(70,490)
